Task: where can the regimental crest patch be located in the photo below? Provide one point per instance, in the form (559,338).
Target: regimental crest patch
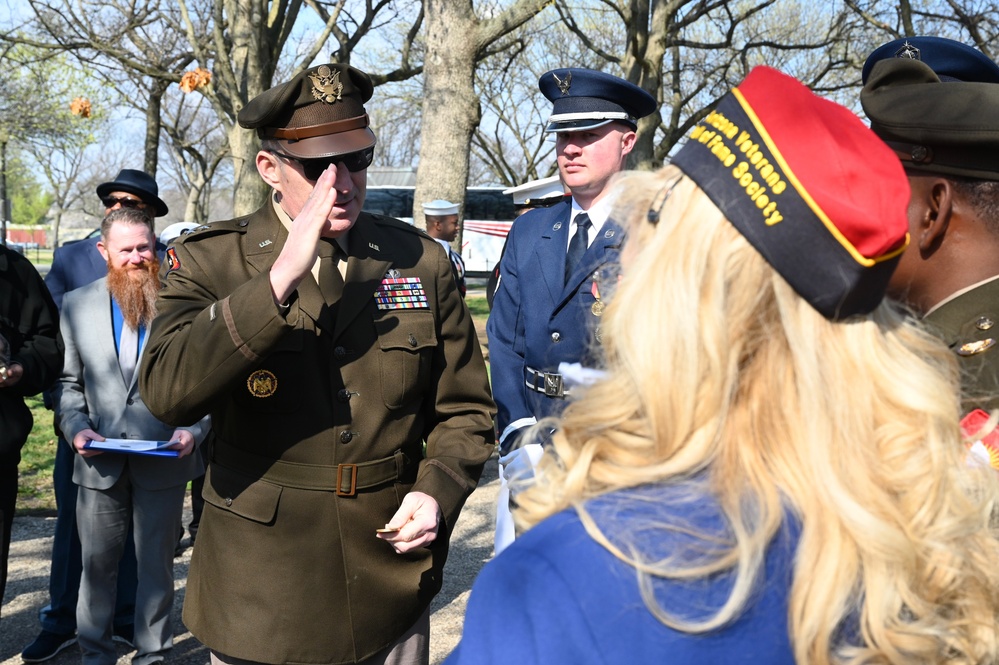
(326,86)
(262,383)
(172,261)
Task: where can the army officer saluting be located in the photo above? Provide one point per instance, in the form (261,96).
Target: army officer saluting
(347,393)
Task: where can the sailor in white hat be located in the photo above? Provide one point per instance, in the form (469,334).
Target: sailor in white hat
(443,226)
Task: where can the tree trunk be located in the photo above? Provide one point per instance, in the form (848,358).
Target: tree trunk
(153,107)
(450,106)
(4,199)
(251,73)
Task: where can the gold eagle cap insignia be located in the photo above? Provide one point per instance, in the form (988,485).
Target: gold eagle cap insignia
(563,84)
(326,85)
(262,383)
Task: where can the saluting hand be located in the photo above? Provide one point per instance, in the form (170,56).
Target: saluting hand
(302,248)
(417,521)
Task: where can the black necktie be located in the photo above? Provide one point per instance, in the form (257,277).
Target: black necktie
(578,244)
(330,280)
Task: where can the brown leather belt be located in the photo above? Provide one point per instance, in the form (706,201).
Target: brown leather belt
(344,479)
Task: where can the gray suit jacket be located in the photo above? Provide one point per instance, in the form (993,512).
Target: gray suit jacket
(91,393)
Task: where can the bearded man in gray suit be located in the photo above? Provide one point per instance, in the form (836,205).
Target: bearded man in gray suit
(104,326)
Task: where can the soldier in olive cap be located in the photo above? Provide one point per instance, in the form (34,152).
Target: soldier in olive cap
(350,405)
(936,103)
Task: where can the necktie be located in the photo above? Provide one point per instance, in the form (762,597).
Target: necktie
(578,244)
(128,352)
(330,279)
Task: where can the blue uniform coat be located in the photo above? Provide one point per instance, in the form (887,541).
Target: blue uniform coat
(537,320)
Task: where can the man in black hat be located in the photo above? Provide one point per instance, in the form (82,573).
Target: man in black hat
(350,406)
(547,306)
(74,265)
(936,103)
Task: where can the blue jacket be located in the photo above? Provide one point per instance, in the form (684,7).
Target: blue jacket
(557,596)
(537,320)
(73,266)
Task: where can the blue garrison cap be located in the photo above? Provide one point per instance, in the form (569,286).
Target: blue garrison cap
(585,98)
(949,60)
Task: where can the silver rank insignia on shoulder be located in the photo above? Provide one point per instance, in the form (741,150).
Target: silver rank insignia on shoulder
(974,348)
(326,86)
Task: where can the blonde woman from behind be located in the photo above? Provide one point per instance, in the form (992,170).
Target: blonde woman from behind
(772,471)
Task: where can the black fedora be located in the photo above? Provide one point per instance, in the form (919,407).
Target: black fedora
(136,182)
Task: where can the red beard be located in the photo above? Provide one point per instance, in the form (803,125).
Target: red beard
(134,288)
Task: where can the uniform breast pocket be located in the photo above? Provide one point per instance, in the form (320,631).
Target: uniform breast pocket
(407,341)
(276,385)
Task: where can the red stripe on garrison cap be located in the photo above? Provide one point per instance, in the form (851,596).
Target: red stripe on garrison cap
(865,210)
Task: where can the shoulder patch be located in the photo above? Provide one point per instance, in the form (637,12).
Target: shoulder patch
(171,260)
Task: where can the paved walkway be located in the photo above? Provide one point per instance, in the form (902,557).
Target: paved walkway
(27,584)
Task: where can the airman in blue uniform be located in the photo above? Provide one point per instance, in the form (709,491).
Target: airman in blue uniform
(547,311)
(548,304)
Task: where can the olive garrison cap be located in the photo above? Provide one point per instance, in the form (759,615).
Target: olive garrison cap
(319,113)
(944,122)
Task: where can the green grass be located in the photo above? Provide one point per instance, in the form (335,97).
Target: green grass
(34,488)
(479,307)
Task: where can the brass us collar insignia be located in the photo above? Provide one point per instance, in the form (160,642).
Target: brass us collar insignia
(909,51)
(974,348)
(326,86)
(262,383)
(563,84)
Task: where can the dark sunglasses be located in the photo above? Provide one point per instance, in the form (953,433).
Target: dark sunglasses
(111,201)
(313,168)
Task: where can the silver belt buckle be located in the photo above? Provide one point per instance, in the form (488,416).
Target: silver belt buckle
(553,385)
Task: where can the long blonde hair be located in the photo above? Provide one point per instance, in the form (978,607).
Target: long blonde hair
(718,370)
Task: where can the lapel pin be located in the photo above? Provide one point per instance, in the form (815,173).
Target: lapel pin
(557,226)
(609,233)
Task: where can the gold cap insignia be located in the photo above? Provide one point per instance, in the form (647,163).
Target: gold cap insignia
(563,84)
(973,348)
(262,383)
(326,86)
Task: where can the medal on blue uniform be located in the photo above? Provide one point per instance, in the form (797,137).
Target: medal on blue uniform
(597,308)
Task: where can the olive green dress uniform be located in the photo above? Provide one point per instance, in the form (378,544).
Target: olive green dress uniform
(287,567)
(969,325)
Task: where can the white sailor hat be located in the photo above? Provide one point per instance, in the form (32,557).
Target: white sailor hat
(537,193)
(439,208)
(585,99)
